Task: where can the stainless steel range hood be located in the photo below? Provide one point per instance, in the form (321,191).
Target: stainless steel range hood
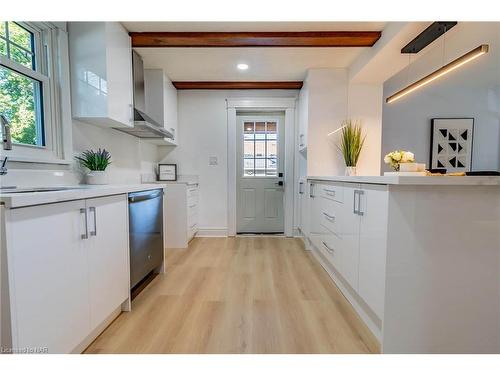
(144,125)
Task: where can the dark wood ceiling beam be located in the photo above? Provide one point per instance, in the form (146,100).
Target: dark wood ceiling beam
(256,39)
(236,85)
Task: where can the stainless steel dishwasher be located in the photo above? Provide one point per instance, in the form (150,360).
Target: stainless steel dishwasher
(146,233)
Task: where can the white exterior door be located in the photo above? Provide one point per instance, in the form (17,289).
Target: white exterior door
(259,178)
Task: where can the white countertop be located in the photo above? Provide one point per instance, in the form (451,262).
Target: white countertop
(13,200)
(414,180)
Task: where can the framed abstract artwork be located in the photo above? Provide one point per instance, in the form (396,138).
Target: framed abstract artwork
(167,172)
(451,144)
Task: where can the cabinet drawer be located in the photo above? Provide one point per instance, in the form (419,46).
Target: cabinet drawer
(332,192)
(192,191)
(329,215)
(192,208)
(331,246)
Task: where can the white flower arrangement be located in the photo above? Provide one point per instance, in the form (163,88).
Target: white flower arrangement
(395,158)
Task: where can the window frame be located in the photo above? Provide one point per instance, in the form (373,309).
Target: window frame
(269,119)
(50,45)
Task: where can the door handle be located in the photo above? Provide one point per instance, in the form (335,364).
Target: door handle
(85,235)
(94,232)
(354,202)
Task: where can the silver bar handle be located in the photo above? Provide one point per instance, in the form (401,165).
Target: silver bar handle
(329,217)
(311,191)
(354,202)
(328,248)
(85,236)
(301,185)
(94,232)
(360,193)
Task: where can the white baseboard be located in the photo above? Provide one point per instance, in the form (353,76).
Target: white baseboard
(212,232)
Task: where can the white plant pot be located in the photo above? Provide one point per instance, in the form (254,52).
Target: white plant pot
(97,178)
(350,171)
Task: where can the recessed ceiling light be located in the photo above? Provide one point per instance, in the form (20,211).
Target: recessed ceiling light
(242,66)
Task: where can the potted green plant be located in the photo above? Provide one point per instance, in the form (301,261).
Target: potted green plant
(96,162)
(351,143)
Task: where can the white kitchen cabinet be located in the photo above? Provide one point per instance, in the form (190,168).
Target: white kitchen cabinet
(303,117)
(349,228)
(101,74)
(161,101)
(68,271)
(350,236)
(181,213)
(373,208)
(47,264)
(108,256)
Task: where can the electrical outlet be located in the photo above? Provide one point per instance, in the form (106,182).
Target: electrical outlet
(212,160)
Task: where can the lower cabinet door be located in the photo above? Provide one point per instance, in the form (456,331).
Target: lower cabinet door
(350,236)
(108,254)
(48,277)
(372,246)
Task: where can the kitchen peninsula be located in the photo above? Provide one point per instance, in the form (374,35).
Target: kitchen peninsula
(417,257)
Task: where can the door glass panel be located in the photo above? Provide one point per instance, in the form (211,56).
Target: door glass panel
(260,148)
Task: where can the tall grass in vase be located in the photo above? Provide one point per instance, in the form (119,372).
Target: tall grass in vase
(351,144)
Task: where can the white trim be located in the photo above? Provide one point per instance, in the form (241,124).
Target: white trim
(212,232)
(259,103)
(284,104)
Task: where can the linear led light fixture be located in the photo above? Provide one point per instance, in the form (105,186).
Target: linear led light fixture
(455,64)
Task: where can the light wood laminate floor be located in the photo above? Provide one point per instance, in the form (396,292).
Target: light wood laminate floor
(239,295)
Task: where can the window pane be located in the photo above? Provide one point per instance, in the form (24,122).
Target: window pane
(248,149)
(21,103)
(272,149)
(260,149)
(248,166)
(3,47)
(260,167)
(271,165)
(2,28)
(20,36)
(260,127)
(21,56)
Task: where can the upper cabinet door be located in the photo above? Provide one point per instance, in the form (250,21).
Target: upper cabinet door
(372,246)
(101,73)
(48,276)
(108,255)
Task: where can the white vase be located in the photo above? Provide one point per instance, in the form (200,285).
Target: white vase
(408,167)
(350,171)
(97,178)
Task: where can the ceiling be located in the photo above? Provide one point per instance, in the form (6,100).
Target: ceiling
(265,64)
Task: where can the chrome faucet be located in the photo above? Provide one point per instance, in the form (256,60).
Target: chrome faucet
(6,137)
(3,168)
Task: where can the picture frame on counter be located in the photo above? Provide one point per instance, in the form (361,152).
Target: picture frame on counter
(167,172)
(451,144)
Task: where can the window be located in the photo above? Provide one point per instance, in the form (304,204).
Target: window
(34,91)
(260,148)
(21,90)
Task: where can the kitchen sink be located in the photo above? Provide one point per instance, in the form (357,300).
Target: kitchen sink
(14,189)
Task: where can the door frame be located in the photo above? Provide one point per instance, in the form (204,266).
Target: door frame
(261,104)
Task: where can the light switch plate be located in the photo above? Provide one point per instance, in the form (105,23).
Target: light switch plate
(212,160)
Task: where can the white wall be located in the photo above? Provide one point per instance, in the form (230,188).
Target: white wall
(471,91)
(365,104)
(130,156)
(202,119)
(327,108)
